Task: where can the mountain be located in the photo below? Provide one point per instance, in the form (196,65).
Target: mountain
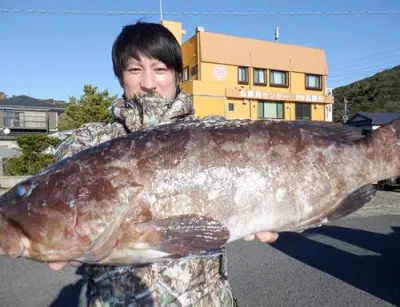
(378,93)
(57,103)
(27,100)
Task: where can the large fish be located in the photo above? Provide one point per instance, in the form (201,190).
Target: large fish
(181,188)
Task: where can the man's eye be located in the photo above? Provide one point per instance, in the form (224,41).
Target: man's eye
(161,69)
(134,69)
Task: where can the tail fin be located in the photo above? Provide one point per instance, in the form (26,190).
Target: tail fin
(386,139)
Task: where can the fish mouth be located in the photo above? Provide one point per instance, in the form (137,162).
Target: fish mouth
(12,241)
(11,248)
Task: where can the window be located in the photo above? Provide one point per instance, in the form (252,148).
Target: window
(279,78)
(303,111)
(185,76)
(259,76)
(270,110)
(243,75)
(193,70)
(13,119)
(231,107)
(313,82)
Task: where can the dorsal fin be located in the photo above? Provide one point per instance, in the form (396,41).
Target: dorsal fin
(336,131)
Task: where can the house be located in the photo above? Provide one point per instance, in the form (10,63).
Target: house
(24,114)
(239,77)
(368,121)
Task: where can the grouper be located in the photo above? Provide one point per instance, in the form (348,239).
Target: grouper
(182,188)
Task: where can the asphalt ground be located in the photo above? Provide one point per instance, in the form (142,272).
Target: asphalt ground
(352,262)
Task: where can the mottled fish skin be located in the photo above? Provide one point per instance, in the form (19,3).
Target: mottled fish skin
(179,189)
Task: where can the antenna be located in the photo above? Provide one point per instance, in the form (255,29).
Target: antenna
(161,11)
(276,34)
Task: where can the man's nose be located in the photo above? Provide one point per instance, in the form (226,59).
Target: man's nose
(148,83)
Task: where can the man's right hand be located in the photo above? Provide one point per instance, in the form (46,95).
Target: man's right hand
(58,266)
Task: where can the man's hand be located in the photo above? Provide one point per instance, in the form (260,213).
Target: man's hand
(58,266)
(265,237)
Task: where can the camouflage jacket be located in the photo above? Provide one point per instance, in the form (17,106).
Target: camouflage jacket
(196,281)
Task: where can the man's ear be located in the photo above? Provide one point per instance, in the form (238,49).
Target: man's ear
(178,77)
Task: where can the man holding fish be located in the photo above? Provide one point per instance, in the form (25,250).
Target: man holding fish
(147,61)
(151,203)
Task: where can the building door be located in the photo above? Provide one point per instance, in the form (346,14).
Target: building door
(270,110)
(303,111)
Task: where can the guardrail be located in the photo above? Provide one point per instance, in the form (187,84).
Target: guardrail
(26,122)
(7,182)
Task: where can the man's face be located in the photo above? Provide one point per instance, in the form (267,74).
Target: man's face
(148,76)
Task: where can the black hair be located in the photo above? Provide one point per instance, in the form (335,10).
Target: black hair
(147,39)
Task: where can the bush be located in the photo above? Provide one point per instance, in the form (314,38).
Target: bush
(32,160)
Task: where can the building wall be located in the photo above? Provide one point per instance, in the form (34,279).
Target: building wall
(211,77)
(209,94)
(53,121)
(176,29)
(190,57)
(208,97)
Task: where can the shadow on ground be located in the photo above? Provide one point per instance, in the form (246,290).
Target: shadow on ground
(378,275)
(70,295)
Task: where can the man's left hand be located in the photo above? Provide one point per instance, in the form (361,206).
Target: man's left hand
(265,237)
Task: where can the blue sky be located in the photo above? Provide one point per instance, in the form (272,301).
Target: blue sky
(55,55)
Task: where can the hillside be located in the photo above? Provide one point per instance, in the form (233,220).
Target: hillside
(378,93)
(28,99)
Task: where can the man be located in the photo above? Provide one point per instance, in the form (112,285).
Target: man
(147,61)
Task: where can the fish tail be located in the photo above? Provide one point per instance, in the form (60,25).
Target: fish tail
(386,140)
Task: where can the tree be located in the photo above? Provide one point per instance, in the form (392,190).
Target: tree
(378,93)
(32,160)
(91,107)
(3,95)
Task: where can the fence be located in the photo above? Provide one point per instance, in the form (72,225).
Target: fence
(7,182)
(25,122)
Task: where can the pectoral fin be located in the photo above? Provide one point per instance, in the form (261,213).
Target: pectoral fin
(348,205)
(353,202)
(184,234)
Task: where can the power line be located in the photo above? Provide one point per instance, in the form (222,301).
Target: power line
(369,64)
(356,67)
(238,14)
(367,57)
(359,72)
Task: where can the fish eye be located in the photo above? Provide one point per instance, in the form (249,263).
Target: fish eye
(20,190)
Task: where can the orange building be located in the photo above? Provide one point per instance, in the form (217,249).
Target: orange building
(240,77)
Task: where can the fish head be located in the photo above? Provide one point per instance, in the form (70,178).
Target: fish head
(68,210)
(26,225)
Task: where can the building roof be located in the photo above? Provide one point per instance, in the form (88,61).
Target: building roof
(234,50)
(378,118)
(27,102)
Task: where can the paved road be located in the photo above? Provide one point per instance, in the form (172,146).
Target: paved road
(353,262)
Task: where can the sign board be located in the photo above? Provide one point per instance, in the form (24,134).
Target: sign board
(280,96)
(220,72)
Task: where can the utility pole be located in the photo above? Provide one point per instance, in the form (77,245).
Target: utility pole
(345,117)
(161,11)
